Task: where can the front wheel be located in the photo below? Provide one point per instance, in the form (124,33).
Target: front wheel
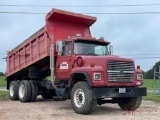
(130,103)
(82,98)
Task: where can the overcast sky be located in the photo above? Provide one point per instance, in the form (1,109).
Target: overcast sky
(130,34)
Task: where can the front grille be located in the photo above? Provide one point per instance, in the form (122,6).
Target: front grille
(120,71)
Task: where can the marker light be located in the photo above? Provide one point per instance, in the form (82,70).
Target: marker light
(101,38)
(92,65)
(138,67)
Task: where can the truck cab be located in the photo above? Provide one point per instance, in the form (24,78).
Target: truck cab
(95,56)
(90,62)
(71,53)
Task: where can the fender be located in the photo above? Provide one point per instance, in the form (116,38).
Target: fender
(80,72)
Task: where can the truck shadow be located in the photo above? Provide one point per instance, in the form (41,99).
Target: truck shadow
(109,109)
(101,110)
(40,99)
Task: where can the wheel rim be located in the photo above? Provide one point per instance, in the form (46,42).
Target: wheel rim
(21,90)
(79,98)
(11,90)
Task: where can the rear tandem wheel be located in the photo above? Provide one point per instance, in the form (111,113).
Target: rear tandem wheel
(13,90)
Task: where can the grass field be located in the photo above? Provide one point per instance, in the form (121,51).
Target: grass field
(149,83)
(152,97)
(2,81)
(4,95)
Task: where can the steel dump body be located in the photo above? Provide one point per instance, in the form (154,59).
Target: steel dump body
(36,49)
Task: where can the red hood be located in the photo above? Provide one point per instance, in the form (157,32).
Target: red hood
(101,60)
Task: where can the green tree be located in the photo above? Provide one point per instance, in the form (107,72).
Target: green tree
(143,72)
(150,73)
(1,74)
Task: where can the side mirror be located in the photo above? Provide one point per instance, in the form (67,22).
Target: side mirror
(59,45)
(110,50)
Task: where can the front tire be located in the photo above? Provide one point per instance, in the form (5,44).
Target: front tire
(13,90)
(131,103)
(24,91)
(82,98)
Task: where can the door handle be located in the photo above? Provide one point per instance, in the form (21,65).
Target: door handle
(58,66)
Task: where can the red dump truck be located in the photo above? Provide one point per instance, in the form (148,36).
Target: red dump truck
(81,67)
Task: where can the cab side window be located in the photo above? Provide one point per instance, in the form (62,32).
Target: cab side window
(66,48)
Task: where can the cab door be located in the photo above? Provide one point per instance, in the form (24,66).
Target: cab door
(64,61)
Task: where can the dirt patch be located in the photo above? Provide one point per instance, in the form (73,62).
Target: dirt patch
(62,110)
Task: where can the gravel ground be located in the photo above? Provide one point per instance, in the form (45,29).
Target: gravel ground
(62,110)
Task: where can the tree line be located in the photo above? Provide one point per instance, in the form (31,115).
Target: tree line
(1,74)
(150,73)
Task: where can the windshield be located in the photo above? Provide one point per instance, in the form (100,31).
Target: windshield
(90,48)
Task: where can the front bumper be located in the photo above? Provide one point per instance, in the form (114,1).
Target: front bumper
(114,92)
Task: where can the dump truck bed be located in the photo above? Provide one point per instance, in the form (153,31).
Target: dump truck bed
(30,51)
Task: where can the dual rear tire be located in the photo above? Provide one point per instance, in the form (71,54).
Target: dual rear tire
(25,91)
(13,90)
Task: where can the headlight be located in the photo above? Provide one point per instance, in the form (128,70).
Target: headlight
(139,77)
(97,76)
